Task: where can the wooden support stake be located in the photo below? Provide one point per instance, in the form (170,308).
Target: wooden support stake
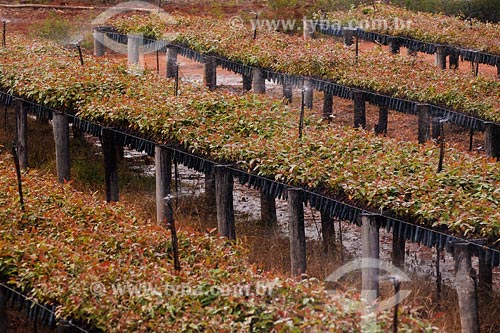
(258,81)
(172,53)
(348,35)
(224,199)
(296,231)
(268,210)
(370,253)
(411,52)
(210,73)
(99,48)
(163,166)
(133,47)
(308,29)
(398,247)
(383,120)
(465,281)
(4,319)
(485,276)
(327,107)
(435,128)
(454,60)
(440,57)
(60,127)
(394,46)
(210,189)
(359,109)
(247,82)
(492,139)
(424,122)
(287,93)
(308,94)
(328,233)
(109,149)
(22,134)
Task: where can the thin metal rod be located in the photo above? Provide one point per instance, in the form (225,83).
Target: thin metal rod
(341,241)
(357,48)
(5,118)
(4,34)
(397,287)
(18,173)
(302,110)
(471,139)
(173,230)
(80,53)
(176,85)
(438,273)
(157,62)
(255,29)
(441,149)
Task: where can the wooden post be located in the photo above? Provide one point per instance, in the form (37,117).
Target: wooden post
(133,46)
(440,57)
(492,139)
(424,123)
(308,29)
(327,106)
(4,320)
(370,253)
(465,281)
(210,189)
(308,93)
(109,149)
(296,231)
(210,73)
(258,81)
(454,60)
(61,137)
(22,134)
(383,120)
(328,233)
(287,92)
(436,128)
(398,247)
(359,109)
(247,82)
(485,276)
(224,199)
(163,174)
(268,210)
(172,62)
(99,48)
(411,52)
(348,35)
(394,46)
(63,327)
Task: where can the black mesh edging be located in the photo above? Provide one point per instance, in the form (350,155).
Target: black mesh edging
(414,44)
(337,90)
(335,208)
(44,314)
